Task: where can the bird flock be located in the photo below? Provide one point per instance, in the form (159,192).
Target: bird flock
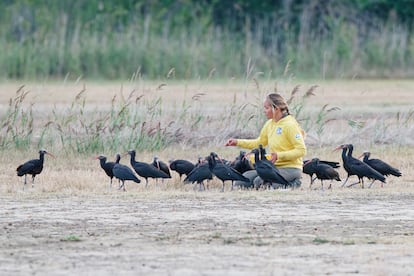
(243,172)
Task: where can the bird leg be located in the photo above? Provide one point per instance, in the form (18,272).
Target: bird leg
(122,186)
(353,184)
(33,177)
(222,188)
(359,182)
(346,181)
(372,183)
(201,184)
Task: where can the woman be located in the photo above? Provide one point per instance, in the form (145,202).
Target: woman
(283,136)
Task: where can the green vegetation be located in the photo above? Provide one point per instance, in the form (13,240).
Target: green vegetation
(71,238)
(319,240)
(191,39)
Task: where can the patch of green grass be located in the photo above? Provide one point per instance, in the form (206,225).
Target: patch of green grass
(71,238)
(260,242)
(229,241)
(162,238)
(216,235)
(319,240)
(348,242)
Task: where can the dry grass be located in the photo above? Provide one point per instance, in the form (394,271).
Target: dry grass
(363,112)
(357,93)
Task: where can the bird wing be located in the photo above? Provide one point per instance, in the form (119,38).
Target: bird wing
(185,168)
(382,167)
(26,168)
(269,172)
(225,172)
(199,174)
(324,171)
(363,170)
(332,164)
(124,173)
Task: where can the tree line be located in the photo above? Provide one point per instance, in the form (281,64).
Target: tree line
(206,38)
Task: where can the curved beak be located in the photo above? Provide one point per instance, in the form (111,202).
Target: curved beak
(338,148)
(307,162)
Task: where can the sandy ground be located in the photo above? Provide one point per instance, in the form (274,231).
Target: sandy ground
(149,232)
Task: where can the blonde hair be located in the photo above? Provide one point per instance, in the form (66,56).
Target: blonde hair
(277,101)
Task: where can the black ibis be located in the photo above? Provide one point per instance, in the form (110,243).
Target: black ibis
(123,173)
(356,167)
(344,156)
(309,169)
(146,170)
(161,166)
(267,171)
(108,166)
(33,167)
(200,173)
(380,166)
(181,166)
(323,171)
(262,153)
(241,163)
(224,172)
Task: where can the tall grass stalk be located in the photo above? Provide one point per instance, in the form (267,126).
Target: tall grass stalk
(148,123)
(17,123)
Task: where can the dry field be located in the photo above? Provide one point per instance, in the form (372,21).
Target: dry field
(71,222)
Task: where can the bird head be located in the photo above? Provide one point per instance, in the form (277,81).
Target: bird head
(341,147)
(100,157)
(130,152)
(364,154)
(214,155)
(43,151)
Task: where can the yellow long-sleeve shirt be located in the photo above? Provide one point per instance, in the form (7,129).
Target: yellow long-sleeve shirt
(284,137)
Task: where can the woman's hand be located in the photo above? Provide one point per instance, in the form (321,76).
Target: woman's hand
(273,157)
(231,142)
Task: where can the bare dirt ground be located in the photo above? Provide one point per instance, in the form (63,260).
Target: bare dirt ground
(279,232)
